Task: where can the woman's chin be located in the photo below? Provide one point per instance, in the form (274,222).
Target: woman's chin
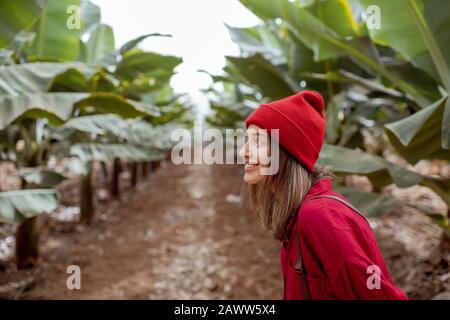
(252,178)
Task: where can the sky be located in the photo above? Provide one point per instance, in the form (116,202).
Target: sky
(198,32)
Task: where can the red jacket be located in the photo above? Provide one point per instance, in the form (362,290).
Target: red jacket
(339,252)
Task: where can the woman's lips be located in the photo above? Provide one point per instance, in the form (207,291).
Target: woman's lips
(250,167)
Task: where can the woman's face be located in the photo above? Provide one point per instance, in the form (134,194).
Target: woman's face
(255,152)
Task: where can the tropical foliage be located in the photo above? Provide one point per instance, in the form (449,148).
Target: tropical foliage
(385,72)
(67,93)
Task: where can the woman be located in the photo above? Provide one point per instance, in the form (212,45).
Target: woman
(328,249)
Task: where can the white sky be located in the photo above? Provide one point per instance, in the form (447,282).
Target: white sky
(198,32)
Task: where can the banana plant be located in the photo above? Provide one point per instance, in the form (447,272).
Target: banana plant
(58,31)
(50,75)
(21,208)
(16,16)
(392,79)
(111,139)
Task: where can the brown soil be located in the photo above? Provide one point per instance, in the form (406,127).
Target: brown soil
(181,234)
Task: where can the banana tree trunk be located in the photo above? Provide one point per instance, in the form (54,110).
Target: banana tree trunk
(87,209)
(445,241)
(144,169)
(27,244)
(115,177)
(156,164)
(134,174)
(104,171)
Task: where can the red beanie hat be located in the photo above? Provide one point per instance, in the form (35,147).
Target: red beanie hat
(301,124)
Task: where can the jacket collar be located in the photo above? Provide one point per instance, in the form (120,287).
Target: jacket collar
(320,186)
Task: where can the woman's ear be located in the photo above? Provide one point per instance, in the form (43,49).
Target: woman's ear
(314,99)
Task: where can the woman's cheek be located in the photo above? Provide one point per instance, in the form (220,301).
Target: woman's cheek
(263,155)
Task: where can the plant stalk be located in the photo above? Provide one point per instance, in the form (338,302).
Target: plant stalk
(87,209)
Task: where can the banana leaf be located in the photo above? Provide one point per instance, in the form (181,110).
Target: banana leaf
(16,16)
(55,40)
(55,107)
(135,63)
(419,30)
(259,39)
(374,205)
(17,206)
(379,171)
(322,39)
(104,152)
(41,177)
(116,104)
(35,77)
(101,43)
(261,73)
(423,135)
(90,15)
(371,204)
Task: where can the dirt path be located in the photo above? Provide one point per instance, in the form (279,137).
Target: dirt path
(180,235)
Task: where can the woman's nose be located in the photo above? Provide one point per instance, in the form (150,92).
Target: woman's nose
(243,153)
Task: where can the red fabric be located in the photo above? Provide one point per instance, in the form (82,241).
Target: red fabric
(300,121)
(337,246)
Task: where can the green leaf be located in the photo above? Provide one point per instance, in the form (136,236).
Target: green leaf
(379,171)
(99,124)
(91,16)
(337,15)
(323,40)
(259,72)
(103,82)
(71,80)
(114,58)
(16,16)
(132,131)
(423,135)
(17,206)
(404,20)
(310,30)
(259,39)
(55,40)
(103,152)
(135,63)
(371,204)
(41,177)
(133,43)
(145,83)
(438,36)
(301,60)
(100,44)
(376,205)
(116,104)
(161,136)
(56,107)
(35,77)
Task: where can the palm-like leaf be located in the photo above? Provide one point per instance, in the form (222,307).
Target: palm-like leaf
(17,206)
(15,16)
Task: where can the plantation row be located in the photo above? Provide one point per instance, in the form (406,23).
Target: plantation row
(389,80)
(69,96)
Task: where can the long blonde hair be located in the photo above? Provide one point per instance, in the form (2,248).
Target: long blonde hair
(277,197)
